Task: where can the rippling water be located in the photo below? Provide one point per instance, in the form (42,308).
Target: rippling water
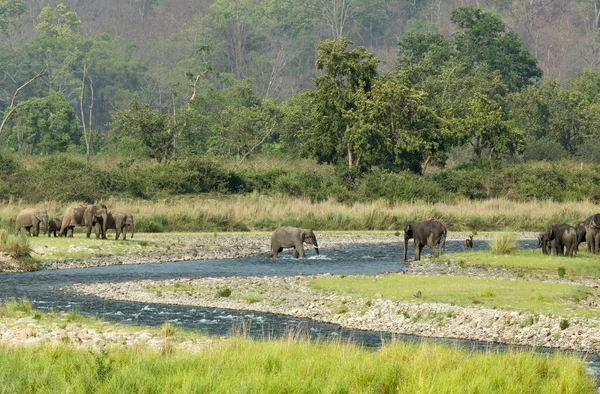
(45,290)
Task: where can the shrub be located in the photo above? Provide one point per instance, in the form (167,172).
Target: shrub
(503,243)
(145,225)
(223,291)
(561,272)
(564,324)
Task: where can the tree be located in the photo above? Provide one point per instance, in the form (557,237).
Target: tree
(486,128)
(482,39)
(345,73)
(42,126)
(152,128)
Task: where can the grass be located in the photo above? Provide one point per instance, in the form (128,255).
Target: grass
(297,366)
(259,212)
(583,264)
(522,296)
(503,243)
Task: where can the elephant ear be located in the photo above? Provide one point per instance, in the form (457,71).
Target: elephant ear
(303,235)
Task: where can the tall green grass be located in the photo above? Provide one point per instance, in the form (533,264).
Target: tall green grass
(239,365)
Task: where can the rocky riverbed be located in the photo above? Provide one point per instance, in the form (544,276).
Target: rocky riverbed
(293,296)
(29,331)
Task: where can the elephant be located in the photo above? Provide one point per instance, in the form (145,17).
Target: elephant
(31,217)
(54,226)
(117,221)
(580,229)
(292,237)
(592,233)
(544,243)
(84,215)
(565,237)
(426,233)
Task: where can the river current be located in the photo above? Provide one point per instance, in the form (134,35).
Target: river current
(46,290)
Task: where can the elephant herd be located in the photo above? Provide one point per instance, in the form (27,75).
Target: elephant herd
(564,239)
(88,215)
(431,233)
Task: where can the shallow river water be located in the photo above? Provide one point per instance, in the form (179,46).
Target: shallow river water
(45,290)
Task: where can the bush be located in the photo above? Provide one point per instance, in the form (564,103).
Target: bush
(564,324)
(561,272)
(223,291)
(503,243)
(146,225)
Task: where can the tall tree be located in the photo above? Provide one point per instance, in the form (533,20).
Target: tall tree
(346,72)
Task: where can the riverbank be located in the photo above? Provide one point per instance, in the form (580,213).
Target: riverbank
(147,248)
(296,296)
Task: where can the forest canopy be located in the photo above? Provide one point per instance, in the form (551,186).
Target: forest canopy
(392,85)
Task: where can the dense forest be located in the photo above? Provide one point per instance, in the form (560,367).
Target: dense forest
(374,88)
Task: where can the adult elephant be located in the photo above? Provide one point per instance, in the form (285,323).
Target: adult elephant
(292,237)
(544,243)
(592,233)
(84,215)
(581,237)
(31,217)
(565,237)
(54,226)
(429,233)
(119,222)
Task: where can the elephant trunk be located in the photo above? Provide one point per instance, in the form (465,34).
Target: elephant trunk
(104,223)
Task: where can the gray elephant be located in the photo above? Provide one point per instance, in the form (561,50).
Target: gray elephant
(429,233)
(565,237)
(117,221)
(292,237)
(544,243)
(54,226)
(581,237)
(31,217)
(592,233)
(84,215)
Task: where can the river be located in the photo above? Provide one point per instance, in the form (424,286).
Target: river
(46,291)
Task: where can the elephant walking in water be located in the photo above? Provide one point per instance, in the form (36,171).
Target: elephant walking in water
(84,215)
(31,217)
(292,237)
(429,233)
(117,221)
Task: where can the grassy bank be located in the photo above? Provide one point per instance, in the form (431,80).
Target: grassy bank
(250,212)
(521,296)
(241,365)
(293,365)
(583,264)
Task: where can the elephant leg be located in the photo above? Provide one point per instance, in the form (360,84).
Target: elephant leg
(70,231)
(596,246)
(295,253)
(88,231)
(28,229)
(300,250)
(276,250)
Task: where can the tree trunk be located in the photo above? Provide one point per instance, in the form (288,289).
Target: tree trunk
(425,165)
(11,107)
(86,135)
(491,158)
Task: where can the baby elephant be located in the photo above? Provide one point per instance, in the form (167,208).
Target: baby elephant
(54,226)
(292,237)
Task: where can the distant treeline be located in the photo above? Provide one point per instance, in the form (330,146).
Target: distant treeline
(66,178)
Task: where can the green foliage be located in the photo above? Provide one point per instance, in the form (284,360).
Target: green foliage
(154,129)
(223,291)
(561,272)
(564,324)
(42,126)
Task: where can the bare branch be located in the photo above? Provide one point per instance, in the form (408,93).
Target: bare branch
(255,146)
(12,107)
